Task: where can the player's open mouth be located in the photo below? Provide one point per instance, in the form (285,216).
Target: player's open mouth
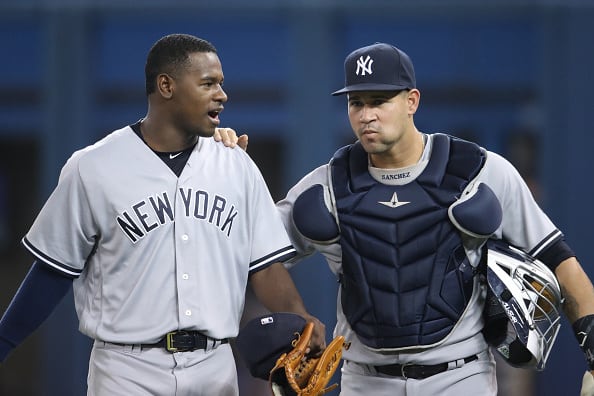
(214,115)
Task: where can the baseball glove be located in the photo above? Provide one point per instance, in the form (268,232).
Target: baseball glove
(296,374)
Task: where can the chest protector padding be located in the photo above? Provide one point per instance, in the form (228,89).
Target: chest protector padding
(406,280)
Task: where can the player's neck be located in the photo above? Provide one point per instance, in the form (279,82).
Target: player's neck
(164,137)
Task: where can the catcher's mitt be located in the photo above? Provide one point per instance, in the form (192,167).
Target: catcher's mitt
(296,374)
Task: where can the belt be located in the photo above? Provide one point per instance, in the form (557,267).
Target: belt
(184,341)
(419,371)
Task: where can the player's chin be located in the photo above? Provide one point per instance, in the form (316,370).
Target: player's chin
(371,145)
(206,131)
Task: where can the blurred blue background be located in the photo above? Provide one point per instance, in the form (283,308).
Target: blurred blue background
(513,75)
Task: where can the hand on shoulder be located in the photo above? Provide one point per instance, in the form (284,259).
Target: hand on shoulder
(230,139)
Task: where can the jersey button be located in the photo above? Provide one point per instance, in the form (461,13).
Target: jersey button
(188,312)
(185,276)
(185,237)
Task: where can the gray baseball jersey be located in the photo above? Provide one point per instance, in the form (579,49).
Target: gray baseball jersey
(524,225)
(152,252)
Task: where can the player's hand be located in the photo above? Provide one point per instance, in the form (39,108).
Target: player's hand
(230,139)
(587,384)
(317,344)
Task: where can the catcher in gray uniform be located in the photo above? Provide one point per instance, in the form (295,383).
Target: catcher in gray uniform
(158,228)
(422,230)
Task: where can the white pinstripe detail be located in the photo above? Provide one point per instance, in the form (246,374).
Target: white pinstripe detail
(274,258)
(64,269)
(545,243)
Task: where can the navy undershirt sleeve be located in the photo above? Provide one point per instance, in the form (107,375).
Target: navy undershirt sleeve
(555,254)
(39,294)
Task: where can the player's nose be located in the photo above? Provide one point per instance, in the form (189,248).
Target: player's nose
(366,114)
(221,95)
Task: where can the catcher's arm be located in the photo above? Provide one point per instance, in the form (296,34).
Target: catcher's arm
(578,305)
(587,384)
(275,288)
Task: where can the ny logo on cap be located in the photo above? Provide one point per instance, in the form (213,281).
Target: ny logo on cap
(364,65)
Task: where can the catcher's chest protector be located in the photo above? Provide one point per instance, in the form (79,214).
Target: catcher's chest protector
(402,283)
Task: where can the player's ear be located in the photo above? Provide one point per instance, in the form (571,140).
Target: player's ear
(165,85)
(413,99)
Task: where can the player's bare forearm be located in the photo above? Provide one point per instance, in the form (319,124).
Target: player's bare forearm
(275,289)
(578,295)
(577,289)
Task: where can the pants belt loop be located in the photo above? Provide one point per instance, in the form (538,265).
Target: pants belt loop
(455,364)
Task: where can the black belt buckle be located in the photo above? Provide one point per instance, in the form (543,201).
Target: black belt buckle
(180,341)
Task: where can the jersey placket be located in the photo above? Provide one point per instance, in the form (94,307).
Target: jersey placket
(185,254)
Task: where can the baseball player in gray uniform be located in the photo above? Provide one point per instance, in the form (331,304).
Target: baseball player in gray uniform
(409,302)
(158,228)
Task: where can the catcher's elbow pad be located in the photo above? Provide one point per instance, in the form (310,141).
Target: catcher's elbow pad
(313,217)
(296,374)
(478,212)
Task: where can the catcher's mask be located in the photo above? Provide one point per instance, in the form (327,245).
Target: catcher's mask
(522,311)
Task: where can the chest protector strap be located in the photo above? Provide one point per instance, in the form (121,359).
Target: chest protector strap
(406,279)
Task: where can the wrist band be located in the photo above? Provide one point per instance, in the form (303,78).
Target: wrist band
(583,328)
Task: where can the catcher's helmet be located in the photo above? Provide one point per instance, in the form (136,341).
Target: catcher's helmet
(522,311)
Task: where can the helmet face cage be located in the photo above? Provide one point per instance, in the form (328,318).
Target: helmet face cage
(530,295)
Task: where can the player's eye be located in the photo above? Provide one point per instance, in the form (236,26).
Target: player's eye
(212,84)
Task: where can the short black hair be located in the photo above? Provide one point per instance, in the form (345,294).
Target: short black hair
(169,54)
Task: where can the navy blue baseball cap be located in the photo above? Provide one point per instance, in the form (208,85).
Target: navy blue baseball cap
(377,67)
(265,338)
